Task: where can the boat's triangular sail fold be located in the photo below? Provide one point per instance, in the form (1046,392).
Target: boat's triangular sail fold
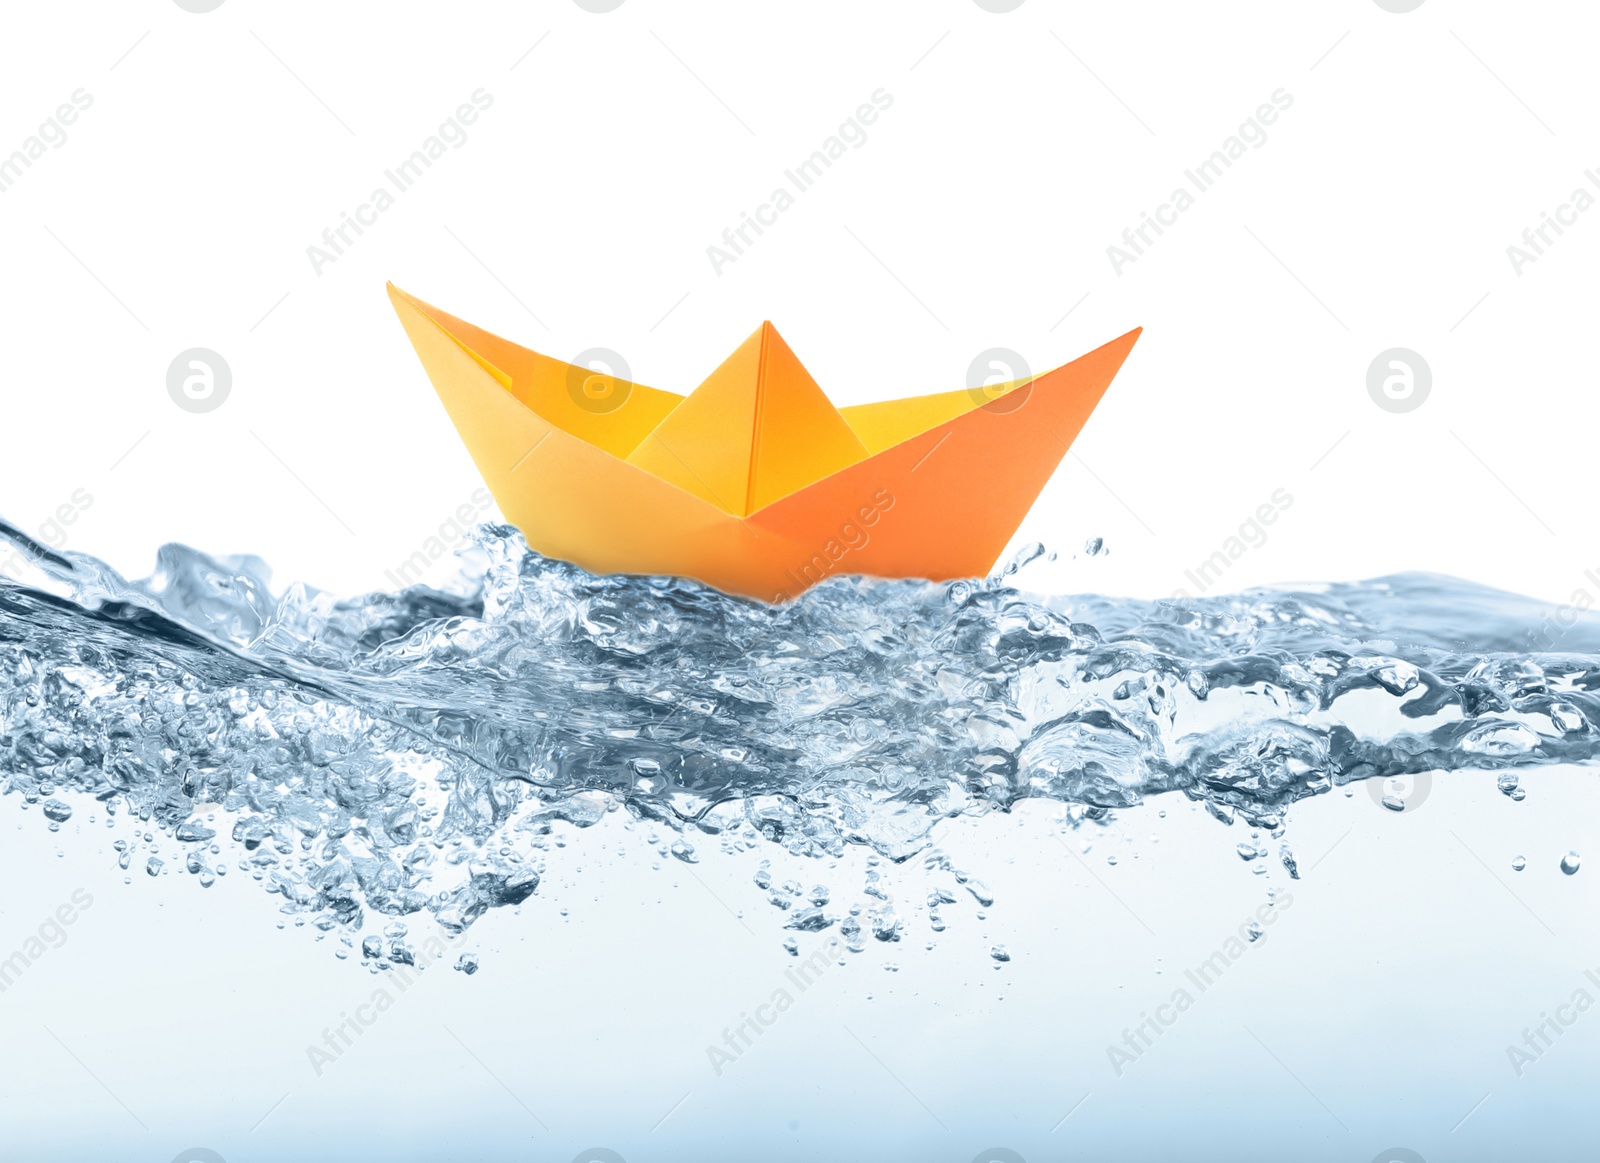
(614,417)
(758,429)
(754,483)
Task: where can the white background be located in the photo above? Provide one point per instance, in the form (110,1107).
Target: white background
(978,213)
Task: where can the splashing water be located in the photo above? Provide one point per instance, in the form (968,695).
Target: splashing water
(413,752)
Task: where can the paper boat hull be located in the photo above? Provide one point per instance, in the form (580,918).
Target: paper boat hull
(939,504)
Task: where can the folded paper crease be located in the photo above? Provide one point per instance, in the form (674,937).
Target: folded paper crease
(754,482)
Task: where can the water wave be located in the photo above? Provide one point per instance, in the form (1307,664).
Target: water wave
(415,752)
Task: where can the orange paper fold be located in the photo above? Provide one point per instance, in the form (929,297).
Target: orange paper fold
(753,483)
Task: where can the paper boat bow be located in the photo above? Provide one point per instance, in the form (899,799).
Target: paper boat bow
(754,483)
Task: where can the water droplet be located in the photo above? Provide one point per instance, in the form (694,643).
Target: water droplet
(467,963)
(684,851)
(1000,953)
(1570,862)
(812,920)
(1094,547)
(153,866)
(56,811)
(1023,557)
(885,923)
(1518,863)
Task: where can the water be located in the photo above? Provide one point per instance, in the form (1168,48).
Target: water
(417,756)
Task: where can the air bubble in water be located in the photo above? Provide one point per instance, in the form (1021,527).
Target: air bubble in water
(1567,717)
(1518,863)
(1570,862)
(1398,678)
(445,744)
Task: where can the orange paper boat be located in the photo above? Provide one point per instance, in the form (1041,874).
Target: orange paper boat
(754,483)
